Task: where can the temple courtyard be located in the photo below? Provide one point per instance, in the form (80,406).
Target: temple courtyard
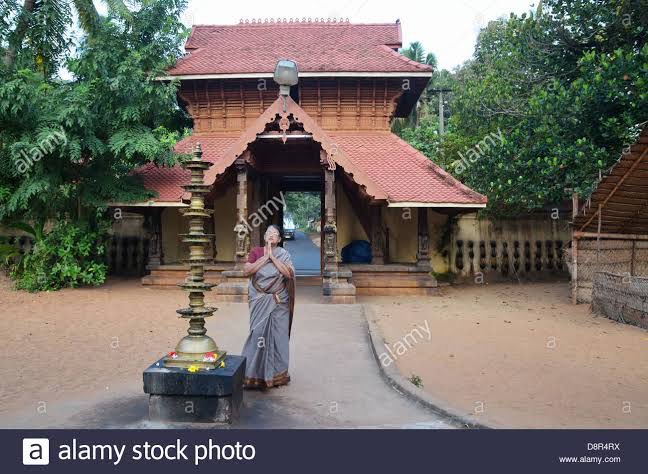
(507,355)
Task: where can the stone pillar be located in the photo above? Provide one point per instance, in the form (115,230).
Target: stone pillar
(330,224)
(423,252)
(155,254)
(256,202)
(234,286)
(336,281)
(377,237)
(241,229)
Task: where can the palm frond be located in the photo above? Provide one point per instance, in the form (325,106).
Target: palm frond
(88,15)
(119,8)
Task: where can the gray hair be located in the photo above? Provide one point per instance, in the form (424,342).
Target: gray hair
(275,227)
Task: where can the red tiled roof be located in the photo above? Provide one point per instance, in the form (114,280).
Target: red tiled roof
(402,172)
(315,46)
(167,182)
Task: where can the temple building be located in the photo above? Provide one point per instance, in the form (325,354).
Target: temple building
(328,133)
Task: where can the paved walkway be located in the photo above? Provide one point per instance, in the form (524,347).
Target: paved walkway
(335,379)
(305,254)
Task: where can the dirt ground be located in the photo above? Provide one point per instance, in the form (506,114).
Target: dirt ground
(516,356)
(61,344)
(521,356)
(74,359)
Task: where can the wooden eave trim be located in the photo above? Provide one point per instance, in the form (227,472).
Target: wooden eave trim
(609,236)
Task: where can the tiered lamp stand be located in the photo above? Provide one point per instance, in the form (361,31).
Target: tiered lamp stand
(196,382)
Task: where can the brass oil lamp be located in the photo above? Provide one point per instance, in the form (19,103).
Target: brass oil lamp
(196,350)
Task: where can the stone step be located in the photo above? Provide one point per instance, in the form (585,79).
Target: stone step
(309,281)
(149,280)
(366,280)
(171,277)
(402,291)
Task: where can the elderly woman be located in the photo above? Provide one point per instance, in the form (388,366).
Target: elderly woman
(271,297)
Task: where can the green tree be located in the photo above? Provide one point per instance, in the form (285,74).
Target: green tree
(303,206)
(563,86)
(67,148)
(416,52)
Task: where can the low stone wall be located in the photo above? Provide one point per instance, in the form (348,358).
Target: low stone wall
(528,247)
(24,243)
(621,297)
(125,256)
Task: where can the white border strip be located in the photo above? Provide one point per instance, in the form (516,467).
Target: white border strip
(260,75)
(434,204)
(391,204)
(148,204)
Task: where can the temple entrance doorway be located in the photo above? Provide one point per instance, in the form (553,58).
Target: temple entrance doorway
(302,215)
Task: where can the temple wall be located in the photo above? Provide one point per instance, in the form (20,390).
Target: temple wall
(526,246)
(225,220)
(172,225)
(437,223)
(348,225)
(401,225)
(529,245)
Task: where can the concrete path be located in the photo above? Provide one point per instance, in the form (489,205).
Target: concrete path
(305,254)
(335,382)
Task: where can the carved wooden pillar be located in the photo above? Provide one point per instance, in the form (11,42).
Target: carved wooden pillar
(275,190)
(256,202)
(330,222)
(377,237)
(155,253)
(241,229)
(423,252)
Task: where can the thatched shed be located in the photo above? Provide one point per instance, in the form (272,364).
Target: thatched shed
(610,237)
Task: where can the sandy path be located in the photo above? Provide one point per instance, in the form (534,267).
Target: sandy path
(522,356)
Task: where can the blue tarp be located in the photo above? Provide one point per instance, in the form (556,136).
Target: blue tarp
(358,251)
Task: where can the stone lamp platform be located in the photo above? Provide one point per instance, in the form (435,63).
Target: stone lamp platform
(204,396)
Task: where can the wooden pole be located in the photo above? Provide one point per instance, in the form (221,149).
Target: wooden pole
(574,269)
(377,237)
(598,236)
(441,108)
(574,282)
(441,113)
